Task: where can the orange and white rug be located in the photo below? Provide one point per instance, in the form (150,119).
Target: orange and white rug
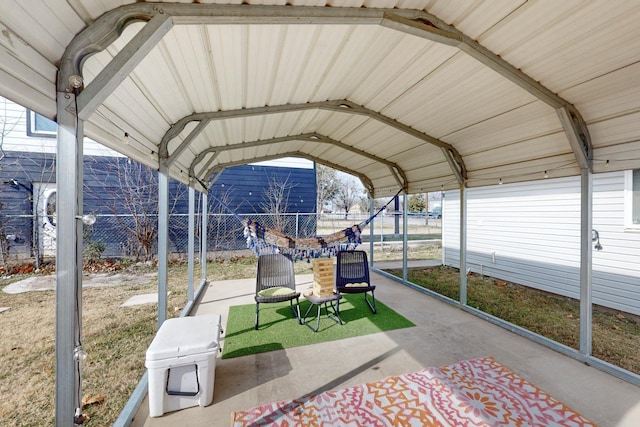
(478,392)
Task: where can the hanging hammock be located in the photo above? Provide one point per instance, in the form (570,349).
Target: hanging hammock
(262,240)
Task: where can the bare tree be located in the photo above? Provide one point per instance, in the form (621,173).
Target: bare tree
(223,228)
(327,185)
(7,124)
(129,191)
(276,201)
(349,191)
(364,204)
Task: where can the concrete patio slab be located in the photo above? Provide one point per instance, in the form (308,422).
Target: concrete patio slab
(444,334)
(142,299)
(47,283)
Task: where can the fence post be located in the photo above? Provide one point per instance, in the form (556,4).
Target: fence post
(297,223)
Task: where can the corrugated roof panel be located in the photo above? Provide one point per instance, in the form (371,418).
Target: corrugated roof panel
(475,18)
(459,94)
(405,73)
(264,48)
(183,47)
(270,126)
(133,113)
(359,55)
(398,55)
(515,28)
(413,4)
(380,139)
(436,171)
(545,147)
(524,123)
(612,95)
(295,44)
(22,63)
(617,157)
(339,125)
(297,122)
(616,130)
(564,165)
(558,52)
(319,59)
(423,156)
(226,47)
(333,68)
(307,2)
(40,27)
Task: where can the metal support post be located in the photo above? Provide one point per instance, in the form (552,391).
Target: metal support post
(586,226)
(69,352)
(463,246)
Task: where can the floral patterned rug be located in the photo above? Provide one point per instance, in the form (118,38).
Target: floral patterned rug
(478,392)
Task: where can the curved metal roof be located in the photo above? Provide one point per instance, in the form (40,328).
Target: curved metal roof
(422,95)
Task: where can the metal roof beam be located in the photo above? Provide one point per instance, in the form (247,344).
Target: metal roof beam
(122,64)
(368,184)
(579,138)
(397,172)
(187,141)
(342,106)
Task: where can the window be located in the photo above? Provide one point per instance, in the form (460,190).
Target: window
(40,126)
(632,199)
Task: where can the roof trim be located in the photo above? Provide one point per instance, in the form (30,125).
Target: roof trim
(341,105)
(363,178)
(395,170)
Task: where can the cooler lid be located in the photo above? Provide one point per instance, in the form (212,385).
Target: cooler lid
(185,336)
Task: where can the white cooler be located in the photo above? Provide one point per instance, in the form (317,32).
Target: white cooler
(181,363)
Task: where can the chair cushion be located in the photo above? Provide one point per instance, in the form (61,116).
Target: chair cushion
(276,291)
(356,285)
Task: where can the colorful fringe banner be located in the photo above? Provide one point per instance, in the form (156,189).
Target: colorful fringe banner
(266,241)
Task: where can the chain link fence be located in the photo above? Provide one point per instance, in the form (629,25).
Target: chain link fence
(136,236)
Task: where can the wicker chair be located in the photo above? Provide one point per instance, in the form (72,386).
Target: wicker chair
(276,283)
(352,276)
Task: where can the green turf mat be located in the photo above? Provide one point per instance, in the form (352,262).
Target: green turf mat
(279,328)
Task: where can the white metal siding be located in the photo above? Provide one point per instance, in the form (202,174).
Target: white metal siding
(13,129)
(529,233)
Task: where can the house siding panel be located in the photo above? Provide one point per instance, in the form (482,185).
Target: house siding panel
(529,233)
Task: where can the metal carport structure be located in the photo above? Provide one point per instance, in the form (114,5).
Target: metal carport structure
(415,95)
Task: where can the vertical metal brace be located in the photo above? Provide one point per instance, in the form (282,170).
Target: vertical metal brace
(191,242)
(203,237)
(163,242)
(371,231)
(405,236)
